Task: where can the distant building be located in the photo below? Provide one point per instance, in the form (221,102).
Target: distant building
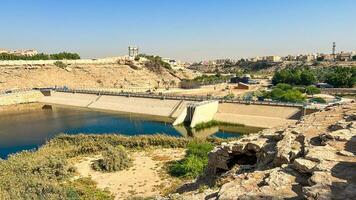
(221,61)
(3,51)
(273,58)
(172,62)
(133,51)
(243,86)
(307,58)
(256,59)
(245,79)
(28,52)
(328,57)
(291,58)
(344,56)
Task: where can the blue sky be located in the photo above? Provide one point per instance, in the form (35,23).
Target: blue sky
(183,29)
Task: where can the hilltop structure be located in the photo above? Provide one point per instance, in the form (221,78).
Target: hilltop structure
(28,52)
(133,51)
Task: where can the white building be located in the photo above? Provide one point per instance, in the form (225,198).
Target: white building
(3,51)
(273,58)
(133,51)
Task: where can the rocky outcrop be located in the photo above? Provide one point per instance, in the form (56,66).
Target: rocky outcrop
(313,159)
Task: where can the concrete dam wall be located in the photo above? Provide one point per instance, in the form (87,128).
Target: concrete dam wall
(197,112)
(250,115)
(257,115)
(20,98)
(146,106)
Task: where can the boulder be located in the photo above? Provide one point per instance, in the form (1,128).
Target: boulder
(270,184)
(338,126)
(287,149)
(68,69)
(304,165)
(342,135)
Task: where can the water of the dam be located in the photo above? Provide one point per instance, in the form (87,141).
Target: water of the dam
(32,126)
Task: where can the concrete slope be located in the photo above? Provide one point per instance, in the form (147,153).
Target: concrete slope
(69,99)
(257,115)
(145,106)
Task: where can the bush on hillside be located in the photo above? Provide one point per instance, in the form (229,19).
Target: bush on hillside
(285,93)
(229,96)
(342,77)
(194,162)
(317,100)
(294,77)
(155,63)
(189,84)
(85,188)
(284,86)
(311,90)
(114,159)
(41,56)
(211,79)
(336,76)
(60,64)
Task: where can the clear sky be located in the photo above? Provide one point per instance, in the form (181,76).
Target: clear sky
(183,29)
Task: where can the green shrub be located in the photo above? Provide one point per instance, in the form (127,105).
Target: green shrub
(155,63)
(85,188)
(230,96)
(342,77)
(311,90)
(114,159)
(293,96)
(302,76)
(338,76)
(317,100)
(194,162)
(212,123)
(60,64)
(284,86)
(41,56)
(286,95)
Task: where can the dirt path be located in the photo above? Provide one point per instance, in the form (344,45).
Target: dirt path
(145,178)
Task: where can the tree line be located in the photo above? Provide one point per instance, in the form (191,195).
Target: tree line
(337,76)
(41,56)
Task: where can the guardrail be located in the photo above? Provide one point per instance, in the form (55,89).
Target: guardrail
(339,90)
(14,91)
(174,97)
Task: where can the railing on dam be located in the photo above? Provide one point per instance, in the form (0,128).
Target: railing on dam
(174,97)
(14,91)
(339,90)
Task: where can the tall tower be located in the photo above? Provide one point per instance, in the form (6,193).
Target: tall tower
(334,48)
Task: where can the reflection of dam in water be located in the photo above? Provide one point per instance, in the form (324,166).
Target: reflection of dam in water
(28,126)
(218,131)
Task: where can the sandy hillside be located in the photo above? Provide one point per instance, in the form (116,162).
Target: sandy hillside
(108,75)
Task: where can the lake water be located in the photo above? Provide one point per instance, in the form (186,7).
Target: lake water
(31,127)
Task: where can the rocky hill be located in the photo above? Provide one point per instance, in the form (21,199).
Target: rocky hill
(312,159)
(105,75)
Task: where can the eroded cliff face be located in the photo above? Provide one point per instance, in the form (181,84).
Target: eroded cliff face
(312,159)
(103,75)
